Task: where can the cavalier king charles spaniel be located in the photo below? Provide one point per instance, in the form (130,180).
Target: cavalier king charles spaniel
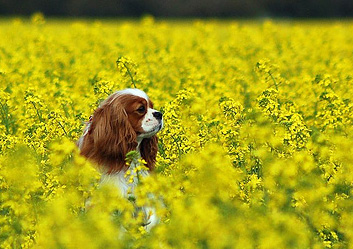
(124,122)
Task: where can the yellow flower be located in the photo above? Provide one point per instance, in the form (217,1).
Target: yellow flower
(257,135)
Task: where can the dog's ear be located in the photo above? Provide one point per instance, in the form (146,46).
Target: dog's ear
(148,150)
(111,136)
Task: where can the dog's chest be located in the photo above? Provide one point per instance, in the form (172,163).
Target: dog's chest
(125,181)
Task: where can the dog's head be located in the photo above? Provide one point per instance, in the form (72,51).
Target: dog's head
(125,121)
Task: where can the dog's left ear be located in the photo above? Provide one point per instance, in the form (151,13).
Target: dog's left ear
(110,137)
(148,150)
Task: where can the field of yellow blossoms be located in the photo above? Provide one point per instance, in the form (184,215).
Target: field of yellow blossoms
(256,152)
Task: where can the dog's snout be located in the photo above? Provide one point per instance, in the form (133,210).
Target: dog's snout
(158,115)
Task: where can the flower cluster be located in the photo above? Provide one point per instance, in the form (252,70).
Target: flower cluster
(256,151)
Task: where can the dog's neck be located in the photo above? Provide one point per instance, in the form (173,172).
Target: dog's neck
(139,141)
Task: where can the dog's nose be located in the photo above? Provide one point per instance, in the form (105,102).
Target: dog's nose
(158,115)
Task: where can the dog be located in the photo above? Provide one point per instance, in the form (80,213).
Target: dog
(124,122)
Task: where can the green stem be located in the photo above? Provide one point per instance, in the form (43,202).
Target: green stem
(273,79)
(176,142)
(39,116)
(62,127)
(6,121)
(128,71)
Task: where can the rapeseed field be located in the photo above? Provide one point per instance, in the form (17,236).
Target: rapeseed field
(256,152)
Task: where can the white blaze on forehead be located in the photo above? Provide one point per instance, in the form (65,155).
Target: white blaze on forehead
(133,91)
(127,91)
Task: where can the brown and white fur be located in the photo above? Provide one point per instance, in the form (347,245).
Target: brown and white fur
(124,122)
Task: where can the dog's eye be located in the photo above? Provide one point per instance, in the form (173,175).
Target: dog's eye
(141,109)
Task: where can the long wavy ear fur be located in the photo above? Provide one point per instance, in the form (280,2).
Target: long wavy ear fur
(148,150)
(110,137)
